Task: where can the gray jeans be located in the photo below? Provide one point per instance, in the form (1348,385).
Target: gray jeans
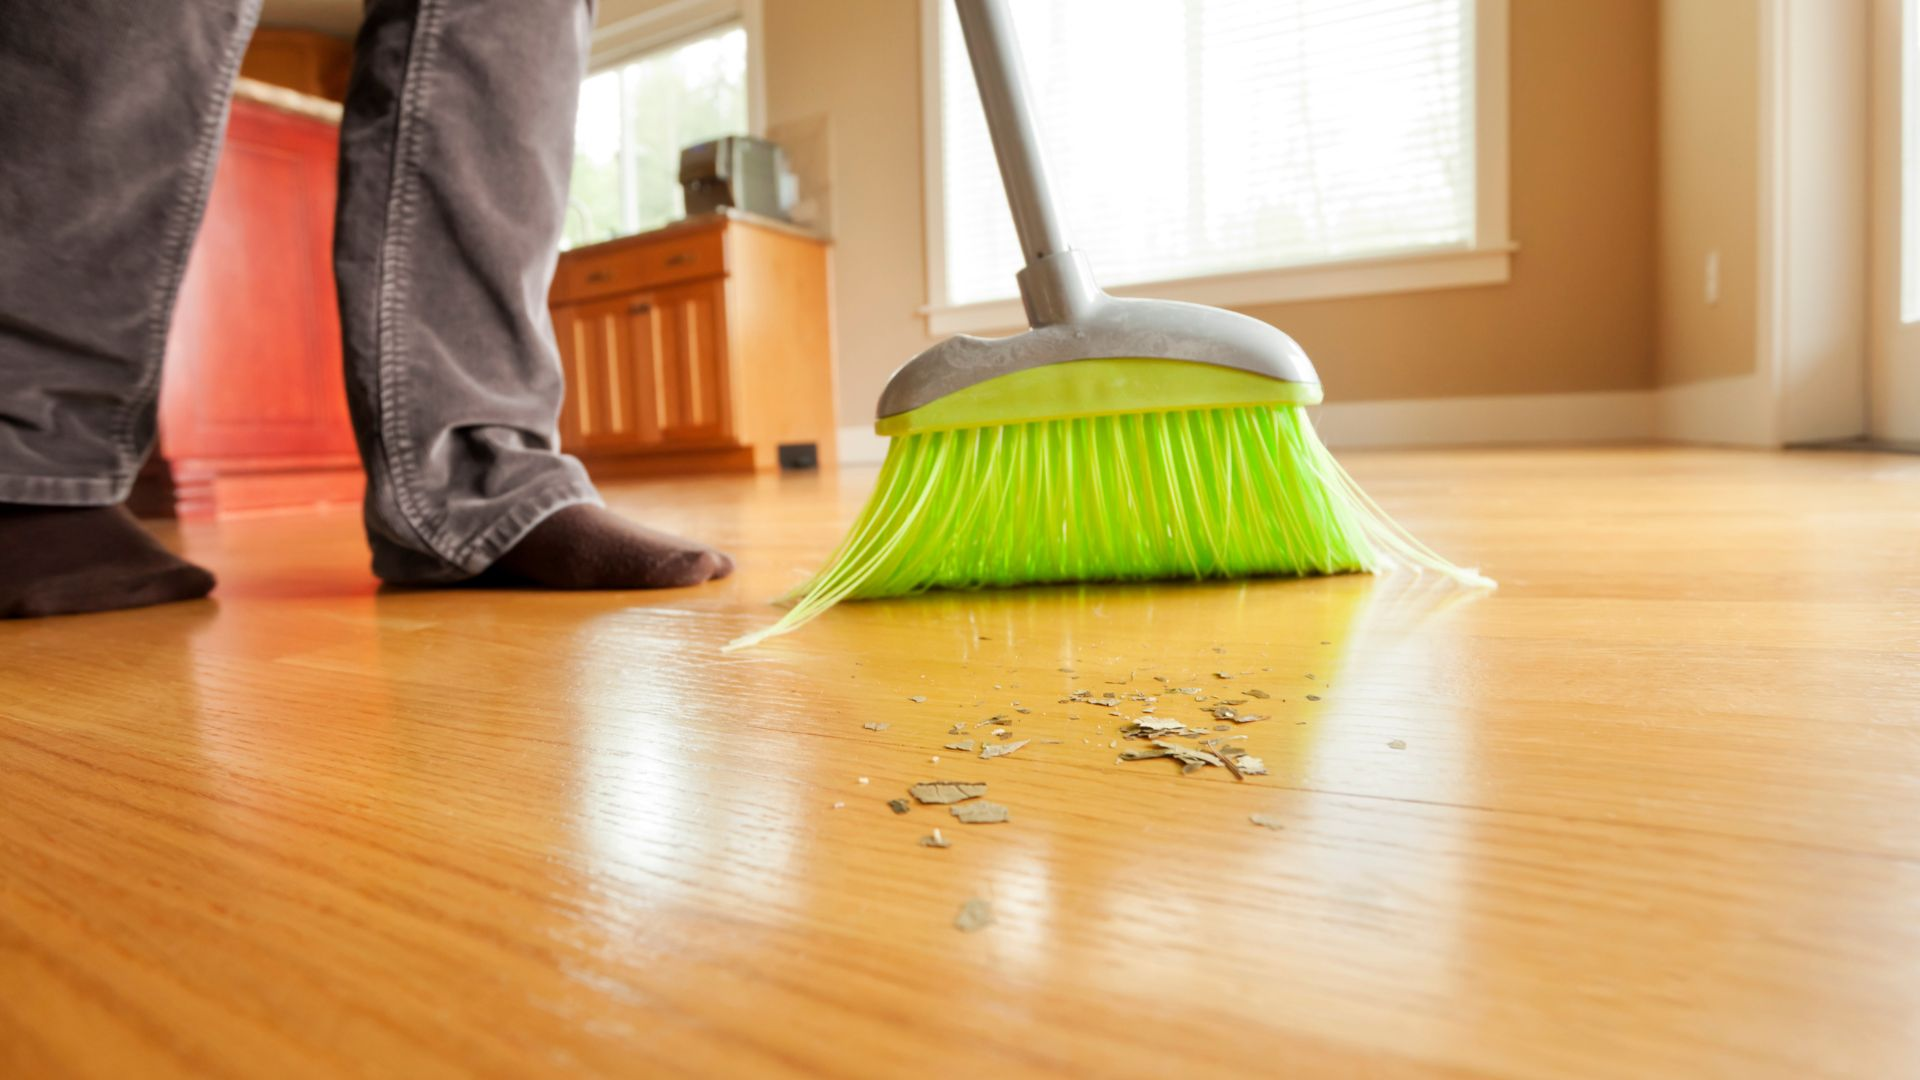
(454,159)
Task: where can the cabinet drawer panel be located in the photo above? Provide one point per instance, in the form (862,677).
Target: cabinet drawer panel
(642,266)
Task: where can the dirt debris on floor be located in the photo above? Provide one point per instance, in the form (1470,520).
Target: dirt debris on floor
(943,792)
(1194,745)
(975,915)
(979,812)
(1001,750)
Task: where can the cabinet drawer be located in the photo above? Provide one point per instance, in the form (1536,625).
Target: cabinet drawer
(642,266)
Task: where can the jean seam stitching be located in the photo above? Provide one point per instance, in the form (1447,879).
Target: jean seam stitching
(182,224)
(397,453)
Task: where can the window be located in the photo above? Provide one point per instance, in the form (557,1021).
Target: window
(1217,150)
(634,121)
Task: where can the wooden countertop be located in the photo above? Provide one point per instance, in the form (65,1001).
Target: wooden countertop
(293,101)
(695,224)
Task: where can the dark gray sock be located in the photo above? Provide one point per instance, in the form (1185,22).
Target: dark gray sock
(64,561)
(586,547)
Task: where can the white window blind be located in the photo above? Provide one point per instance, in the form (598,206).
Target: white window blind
(1200,137)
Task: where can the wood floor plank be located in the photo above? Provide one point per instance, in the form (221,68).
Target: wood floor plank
(1646,810)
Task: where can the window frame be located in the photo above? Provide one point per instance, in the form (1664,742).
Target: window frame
(635,37)
(668,26)
(1487,260)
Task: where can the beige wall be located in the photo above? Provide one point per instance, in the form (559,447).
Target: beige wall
(1578,314)
(856,63)
(1709,124)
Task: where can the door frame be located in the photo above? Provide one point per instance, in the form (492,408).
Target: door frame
(1894,366)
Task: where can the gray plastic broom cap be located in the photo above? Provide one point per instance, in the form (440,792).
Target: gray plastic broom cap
(1073,319)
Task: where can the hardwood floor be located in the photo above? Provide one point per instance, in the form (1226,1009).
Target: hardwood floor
(1651,809)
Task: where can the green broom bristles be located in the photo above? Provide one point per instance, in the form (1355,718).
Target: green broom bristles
(1201,493)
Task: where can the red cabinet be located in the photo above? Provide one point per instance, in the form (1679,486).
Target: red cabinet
(253,412)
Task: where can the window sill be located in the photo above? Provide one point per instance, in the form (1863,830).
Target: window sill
(1377,275)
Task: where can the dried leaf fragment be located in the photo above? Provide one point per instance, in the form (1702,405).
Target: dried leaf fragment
(1267,821)
(964,745)
(1398,744)
(1148,726)
(936,840)
(1186,755)
(876,725)
(976,914)
(1001,749)
(941,792)
(1261,694)
(980,813)
(898,806)
(917,698)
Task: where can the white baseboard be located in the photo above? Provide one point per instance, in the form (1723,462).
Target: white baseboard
(1736,411)
(1614,416)
(858,445)
(1611,416)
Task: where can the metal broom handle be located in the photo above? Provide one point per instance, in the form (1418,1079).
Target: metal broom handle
(987,26)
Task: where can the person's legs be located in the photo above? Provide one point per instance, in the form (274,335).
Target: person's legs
(455,153)
(111,117)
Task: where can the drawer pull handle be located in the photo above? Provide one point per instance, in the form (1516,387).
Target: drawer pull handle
(640,308)
(679,258)
(599,276)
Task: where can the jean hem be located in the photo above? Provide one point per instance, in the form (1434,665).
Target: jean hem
(481,551)
(76,491)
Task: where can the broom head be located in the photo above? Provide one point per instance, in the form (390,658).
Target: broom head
(1107,470)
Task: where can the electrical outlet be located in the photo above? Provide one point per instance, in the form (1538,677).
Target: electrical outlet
(1713,278)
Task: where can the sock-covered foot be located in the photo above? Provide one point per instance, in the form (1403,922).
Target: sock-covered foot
(64,561)
(586,547)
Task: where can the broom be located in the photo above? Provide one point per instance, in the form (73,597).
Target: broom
(1115,440)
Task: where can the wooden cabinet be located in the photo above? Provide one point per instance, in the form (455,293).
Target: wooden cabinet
(702,347)
(304,60)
